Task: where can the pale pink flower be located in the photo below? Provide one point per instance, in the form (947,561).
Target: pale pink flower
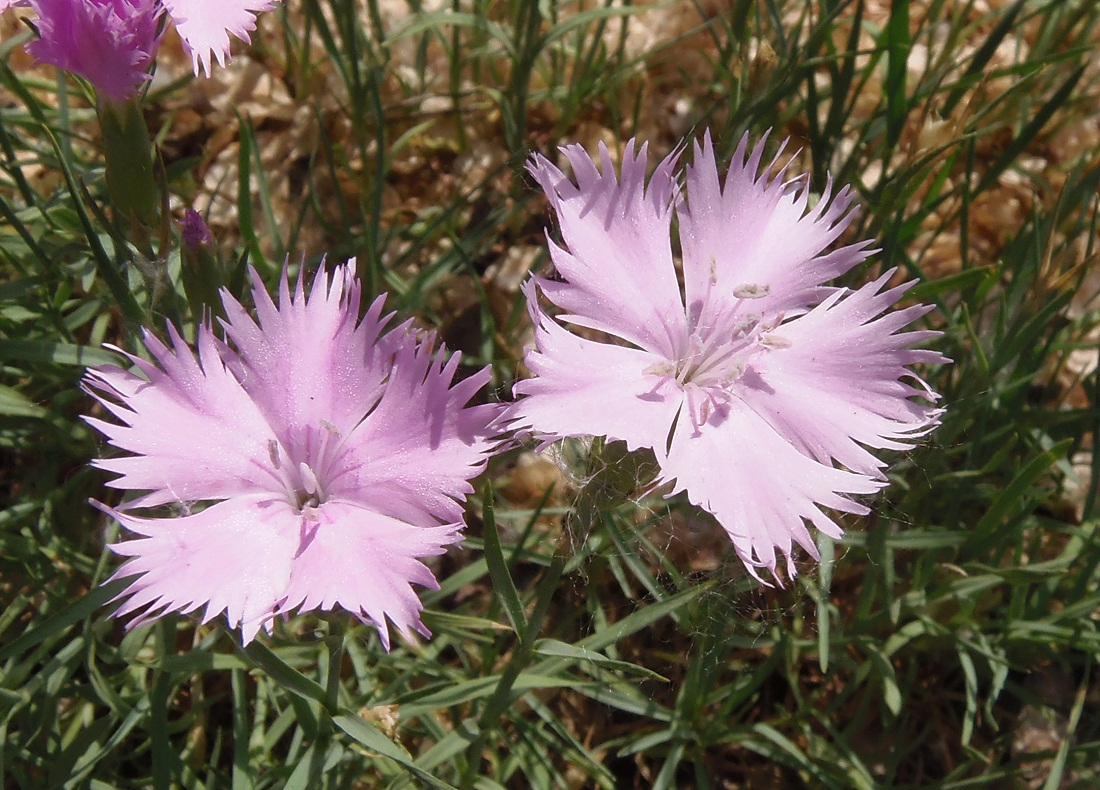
(205,26)
(758,388)
(110,43)
(312,459)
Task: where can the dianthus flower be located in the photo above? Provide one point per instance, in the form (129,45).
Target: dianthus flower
(312,460)
(205,26)
(757,387)
(110,43)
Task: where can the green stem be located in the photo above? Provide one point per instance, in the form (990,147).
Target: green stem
(129,160)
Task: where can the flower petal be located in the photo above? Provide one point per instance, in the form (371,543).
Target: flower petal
(757,231)
(366,563)
(307,363)
(195,434)
(205,26)
(234,557)
(413,456)
(759,487)
(110,43)
(585,388)
(839,381)
(619,270)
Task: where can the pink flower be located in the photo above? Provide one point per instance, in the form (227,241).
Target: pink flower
(312,459)
(205,26)
(110,43)
(758,388)
(194,232)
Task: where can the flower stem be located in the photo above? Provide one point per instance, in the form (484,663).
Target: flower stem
(129,160)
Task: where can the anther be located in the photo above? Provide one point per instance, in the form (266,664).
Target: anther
(273,452)
(751,291)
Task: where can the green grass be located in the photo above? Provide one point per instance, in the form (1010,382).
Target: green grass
(920,653)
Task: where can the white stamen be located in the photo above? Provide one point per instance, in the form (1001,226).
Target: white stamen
(309,480)
(774,341)
(660,369)
(734,374)
(751,291)
(745,325)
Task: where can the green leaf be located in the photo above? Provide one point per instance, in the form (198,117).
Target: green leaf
(503,586)
(14,404)
(897,45)
(581,656)
(58,353)
(1016,496)
(54,626)
(642,618)
(477,688)
(891,694)
(371,738)
(285,675)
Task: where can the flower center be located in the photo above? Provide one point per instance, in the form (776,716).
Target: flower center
(308,493)
(717,352)
(303,481)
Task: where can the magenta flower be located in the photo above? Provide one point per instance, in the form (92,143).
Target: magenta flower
(205,26)
(194,232)
(758,388)
(312,459)
(110,43)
